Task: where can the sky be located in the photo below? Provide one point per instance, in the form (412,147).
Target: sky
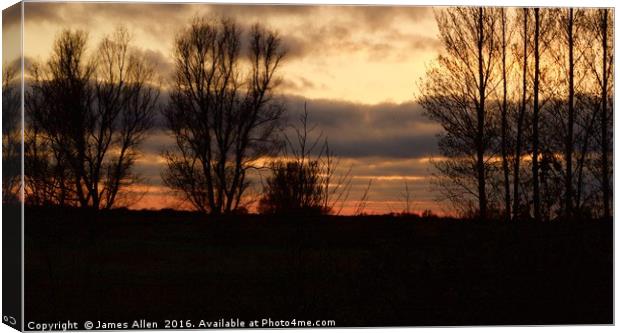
(356,67)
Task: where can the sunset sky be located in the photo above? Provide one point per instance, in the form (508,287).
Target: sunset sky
(357,68)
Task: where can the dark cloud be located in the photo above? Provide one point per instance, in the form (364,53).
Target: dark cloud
(385,146)
(163,64)
(381,16)
(332,113)
(159,140)
(260,10)
(298,84)
(70,13)
(357,130)
(295,47)
(386,130)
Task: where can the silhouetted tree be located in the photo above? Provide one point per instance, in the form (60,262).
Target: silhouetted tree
(543,95)
(455,94)
(302,183)
(585,123)
(575,110)
(11,135)
(293,188)
(546,118)
(601,62)
(505,40)
(127,92)
(535,115)
(559,127)
(519,141)
(223,119)
(569,30)
(88,116)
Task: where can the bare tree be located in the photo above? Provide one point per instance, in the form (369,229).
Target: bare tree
(524,17)
(505,40)
(544,129)
(57,105)
(361,205)
(585,123)
(601,63)
(569,27)
(563,81)
(406,197)
(296,185)
(568,155)
(455,94)
(11,135)
(308,179)
(126,93)
(223,121)
(88,118)
(536,116)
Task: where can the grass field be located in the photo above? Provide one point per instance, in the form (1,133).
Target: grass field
(358,271)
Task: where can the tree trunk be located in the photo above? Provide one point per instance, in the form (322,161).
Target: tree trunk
(518,144)
(604,122)
(535,167)
(568,182)
(505,123)
(482,198)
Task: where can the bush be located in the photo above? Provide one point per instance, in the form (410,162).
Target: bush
(294,188)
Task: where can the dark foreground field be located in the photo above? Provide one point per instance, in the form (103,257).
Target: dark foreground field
(362,271)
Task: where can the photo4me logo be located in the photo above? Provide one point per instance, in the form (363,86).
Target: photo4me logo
(265,323)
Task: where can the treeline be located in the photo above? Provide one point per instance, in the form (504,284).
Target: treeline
(525,97)
(88,111)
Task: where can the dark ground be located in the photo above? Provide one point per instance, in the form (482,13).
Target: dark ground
(358,271)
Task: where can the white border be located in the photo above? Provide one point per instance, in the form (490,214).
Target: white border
(546,3)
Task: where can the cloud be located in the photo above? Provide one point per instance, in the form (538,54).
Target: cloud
(163,65)
(254,11)
(376,30)
(69,13)
(297,84)
(386,130)
(159,21)
(357,130)
(382,16)
(306,30)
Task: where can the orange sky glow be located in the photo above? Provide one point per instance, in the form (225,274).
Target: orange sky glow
(361,63)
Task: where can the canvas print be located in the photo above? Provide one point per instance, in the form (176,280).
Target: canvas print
(197,166)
